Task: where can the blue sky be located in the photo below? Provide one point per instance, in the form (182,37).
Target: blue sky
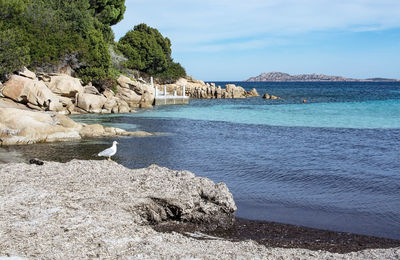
(236,39)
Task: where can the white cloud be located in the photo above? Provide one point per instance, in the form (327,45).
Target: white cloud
(205,24)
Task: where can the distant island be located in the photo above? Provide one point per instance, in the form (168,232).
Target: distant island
(279,76)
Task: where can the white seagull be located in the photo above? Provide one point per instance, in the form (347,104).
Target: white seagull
(109,151)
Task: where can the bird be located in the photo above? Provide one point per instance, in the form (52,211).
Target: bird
(109,151)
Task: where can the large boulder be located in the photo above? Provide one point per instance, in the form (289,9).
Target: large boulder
(32,92)
(197,200)
(233,91)
(19,126)
(90,103)
(129,96)
(65,85)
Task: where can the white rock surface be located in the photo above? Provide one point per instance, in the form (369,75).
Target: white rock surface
(92,209)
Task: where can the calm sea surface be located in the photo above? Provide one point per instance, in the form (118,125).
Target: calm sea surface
(332,163)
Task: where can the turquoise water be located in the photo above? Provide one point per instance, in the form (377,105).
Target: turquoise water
(368,114)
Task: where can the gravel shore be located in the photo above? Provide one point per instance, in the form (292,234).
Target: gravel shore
(99,209)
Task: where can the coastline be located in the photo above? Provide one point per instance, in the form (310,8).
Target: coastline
(104,210)
(272,234)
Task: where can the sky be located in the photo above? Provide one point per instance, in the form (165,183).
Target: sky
(232,40)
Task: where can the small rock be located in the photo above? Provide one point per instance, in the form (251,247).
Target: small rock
(36,161)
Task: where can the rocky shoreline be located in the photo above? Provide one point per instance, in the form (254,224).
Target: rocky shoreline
(65,94)
(33,106)
(99,209)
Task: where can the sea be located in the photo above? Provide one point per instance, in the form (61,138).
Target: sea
(330,163)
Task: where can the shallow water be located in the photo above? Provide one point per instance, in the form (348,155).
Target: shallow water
(331,163)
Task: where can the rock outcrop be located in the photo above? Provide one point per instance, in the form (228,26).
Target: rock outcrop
(65,94)
(19,126)
(32,92)
(200,89)
(151,195)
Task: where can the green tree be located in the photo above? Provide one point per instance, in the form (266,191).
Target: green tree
(41,33)
(148,51)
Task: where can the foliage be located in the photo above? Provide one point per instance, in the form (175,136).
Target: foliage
(46,33)
(13,54)
(37,33)
(173,72)
(108,12)
(148,51)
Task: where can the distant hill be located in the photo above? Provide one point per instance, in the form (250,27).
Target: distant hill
(279,76)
